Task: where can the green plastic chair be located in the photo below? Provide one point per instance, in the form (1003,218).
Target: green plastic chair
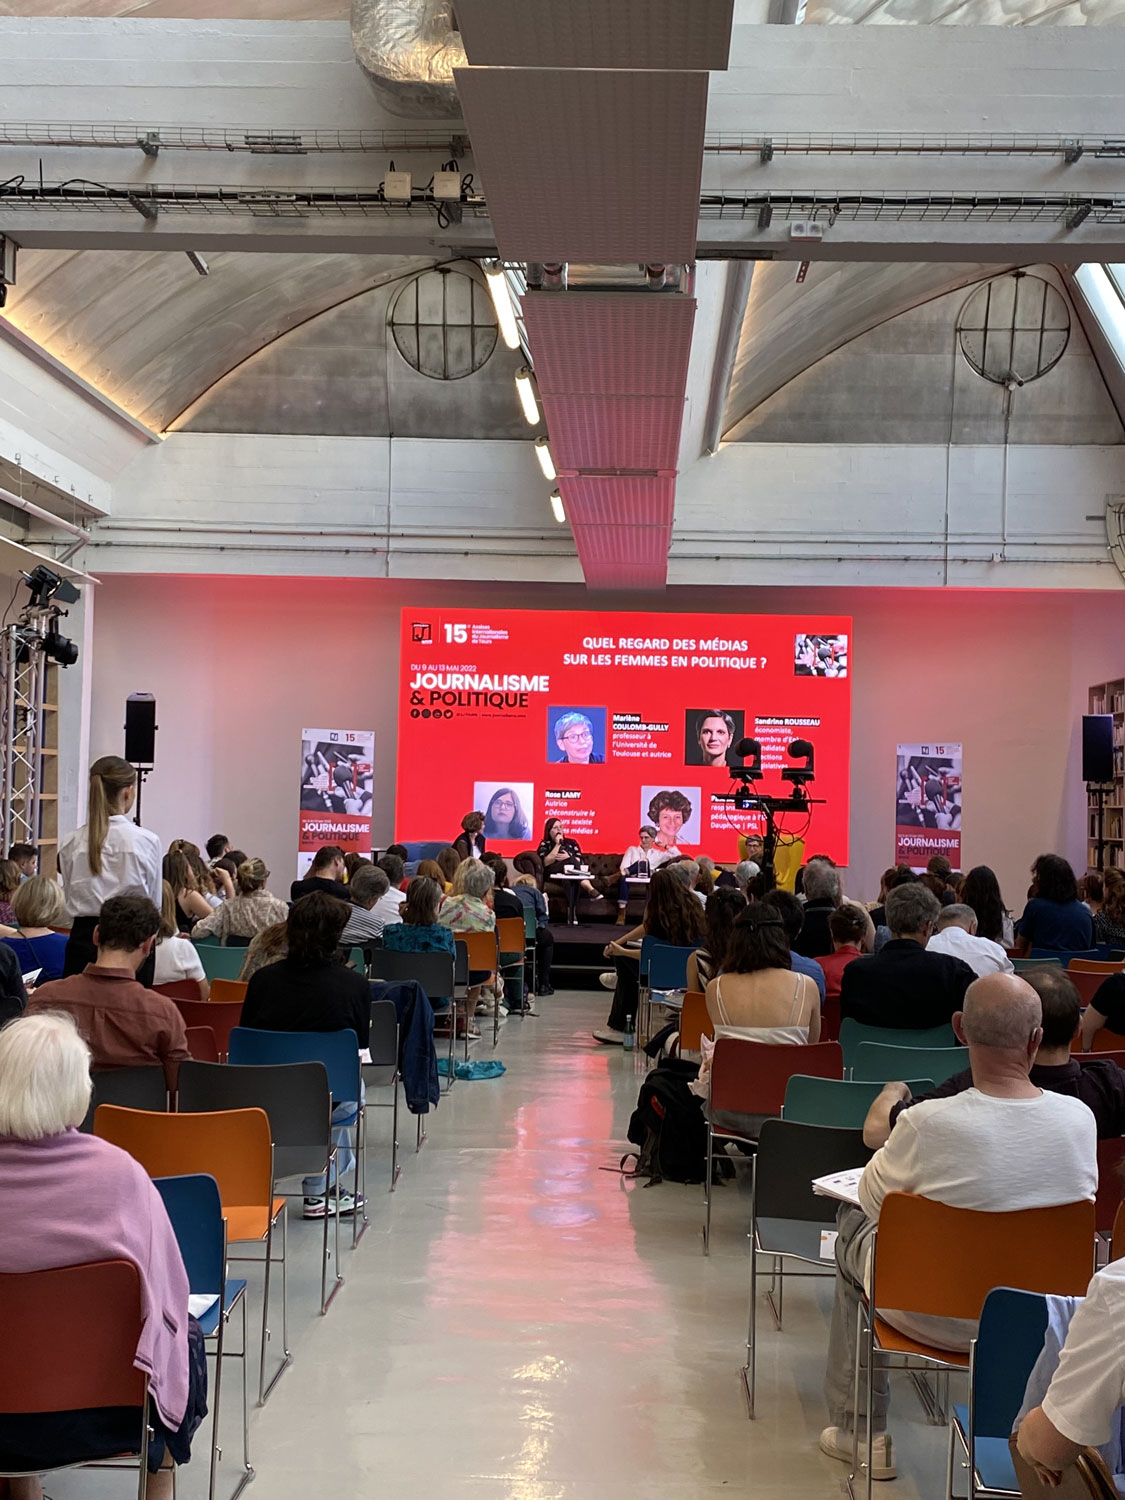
(358,959)
(852,1033)
(839,1104)
(877,1064)
(221,963)
(1021,965)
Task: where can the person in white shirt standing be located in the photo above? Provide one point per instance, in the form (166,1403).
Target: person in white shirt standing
(1001,1145)
(956,934)
(107,856)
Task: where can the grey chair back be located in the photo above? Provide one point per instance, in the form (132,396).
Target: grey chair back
(295,1097)
(433,971)
(382,1070)
(132,1088)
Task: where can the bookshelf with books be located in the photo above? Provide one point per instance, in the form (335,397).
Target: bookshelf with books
(1109,698)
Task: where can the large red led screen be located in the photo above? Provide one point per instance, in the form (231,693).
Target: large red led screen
(608,721)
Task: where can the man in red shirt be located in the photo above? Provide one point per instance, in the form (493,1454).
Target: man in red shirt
(124,1024)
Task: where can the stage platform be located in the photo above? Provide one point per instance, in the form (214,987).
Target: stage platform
(579,958)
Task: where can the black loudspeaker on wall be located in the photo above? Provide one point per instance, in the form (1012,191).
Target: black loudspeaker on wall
(140,729)
(1097,747)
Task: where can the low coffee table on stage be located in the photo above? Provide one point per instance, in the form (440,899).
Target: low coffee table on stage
(573,879)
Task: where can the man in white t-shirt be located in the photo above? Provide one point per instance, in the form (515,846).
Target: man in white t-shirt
(1003,1144)
(955,933)
(1088,1386)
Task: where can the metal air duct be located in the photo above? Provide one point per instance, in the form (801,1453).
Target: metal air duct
(408,50)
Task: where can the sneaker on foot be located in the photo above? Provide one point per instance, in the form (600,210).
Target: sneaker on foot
(837,1443)
(608,981)
(608,1035)
(315,1208)
(349,1204)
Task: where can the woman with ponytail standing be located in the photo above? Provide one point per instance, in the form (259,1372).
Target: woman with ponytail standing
(108,855)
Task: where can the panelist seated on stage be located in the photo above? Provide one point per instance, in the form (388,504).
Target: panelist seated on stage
(903,985)
(561,855)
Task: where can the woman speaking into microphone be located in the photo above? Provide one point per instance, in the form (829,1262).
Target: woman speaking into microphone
(108,855)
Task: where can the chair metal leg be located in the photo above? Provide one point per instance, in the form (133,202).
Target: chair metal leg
(360,1221)
(421,1134)
(247,1467)
(750,1373)
(215,1396)
(264,1387)
(870,1403)
(855,1393)
(396,1170)
(707,1190)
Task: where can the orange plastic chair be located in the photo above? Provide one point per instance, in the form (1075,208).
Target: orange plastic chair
(511,934)
(749,1078)
(179,989)
(221,1016)
(1087,983)
(695,1023)
(1095,966)
(942,1262)
(202,1044)
(70,1338)
(235,1147)
(227,991)
(482,949)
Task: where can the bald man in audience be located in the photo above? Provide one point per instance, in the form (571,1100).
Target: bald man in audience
(1097,1081)
(1002,1144)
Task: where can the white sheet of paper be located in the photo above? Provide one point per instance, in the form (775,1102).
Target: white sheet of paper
(828,1244)
(843,1186)
(201,1302)
(31,976)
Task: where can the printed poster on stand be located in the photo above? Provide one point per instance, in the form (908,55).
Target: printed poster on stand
(337,775)
(928,812)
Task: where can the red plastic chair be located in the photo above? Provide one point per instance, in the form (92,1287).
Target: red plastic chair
(1111,1186)
(1087,983)
(749,1078)
(1104,1054)
(221,1016)
(202,1044)
(179,989)
(70,1338)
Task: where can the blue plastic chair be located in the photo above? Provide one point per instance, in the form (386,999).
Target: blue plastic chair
(663,968)
(837,1103)
(852,1033)
(878,1064)
(196,1212)
(339,1052)
(1013,1326)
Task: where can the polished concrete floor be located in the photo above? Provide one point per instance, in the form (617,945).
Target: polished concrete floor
(519,1323)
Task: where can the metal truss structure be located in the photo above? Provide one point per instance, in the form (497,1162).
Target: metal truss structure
(23,674)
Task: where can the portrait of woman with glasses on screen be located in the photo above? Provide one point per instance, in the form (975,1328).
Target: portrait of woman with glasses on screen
(576,739)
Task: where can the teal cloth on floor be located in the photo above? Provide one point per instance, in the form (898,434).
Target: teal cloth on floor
(487,1068)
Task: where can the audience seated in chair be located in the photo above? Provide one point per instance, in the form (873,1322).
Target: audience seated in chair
(248,912)
(124,1024)
(723,907)
(267,948)
(853,934)
(326,875)
(311,990)
(672,915)
(366,919)
(1001,1145)
(72,1199)
(418,929)
(175,953)
(394,867)
(1099,1083)
(955,932)
(904,986)
(759,995)
(822,897)
(38,907)
(793,917)
(468,908)
(1054,917)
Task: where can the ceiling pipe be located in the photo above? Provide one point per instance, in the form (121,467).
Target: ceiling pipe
(739,275)
(40,514)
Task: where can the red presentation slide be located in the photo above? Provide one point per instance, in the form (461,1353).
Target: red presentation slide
(609,721)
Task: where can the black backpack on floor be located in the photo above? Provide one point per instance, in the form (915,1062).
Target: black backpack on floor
(668,1126)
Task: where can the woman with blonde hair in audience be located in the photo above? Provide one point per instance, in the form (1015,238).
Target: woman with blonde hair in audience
(468,908)
(249,912)
(174,952)
(191,904)
(74,1199)
(38,908)
(107,856)
(10,879)
(212,882)
(429,869)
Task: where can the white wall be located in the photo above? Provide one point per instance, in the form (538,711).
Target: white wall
(240,665)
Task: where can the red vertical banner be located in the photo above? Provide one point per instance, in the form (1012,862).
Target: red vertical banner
(928,804)
(337,775)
